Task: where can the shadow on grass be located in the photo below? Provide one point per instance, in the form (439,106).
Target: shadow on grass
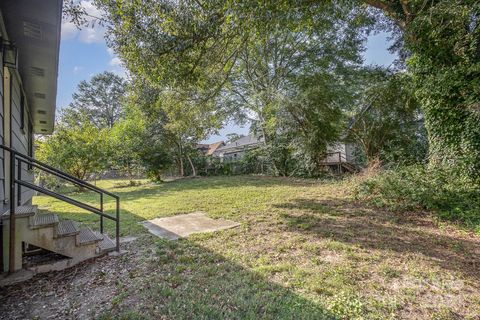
(159,279)
(188,281)
(347,222)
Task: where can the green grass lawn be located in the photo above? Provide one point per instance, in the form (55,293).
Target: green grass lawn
(305,250)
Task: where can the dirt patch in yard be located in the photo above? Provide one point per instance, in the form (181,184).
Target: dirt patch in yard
(81,292)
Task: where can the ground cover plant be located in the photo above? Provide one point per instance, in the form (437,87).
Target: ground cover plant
(306,249)
(442,190)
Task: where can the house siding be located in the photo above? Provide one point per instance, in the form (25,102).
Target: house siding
(19,138)
(333,150)
(2,174)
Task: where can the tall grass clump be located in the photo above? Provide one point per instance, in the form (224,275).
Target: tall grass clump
(443,191)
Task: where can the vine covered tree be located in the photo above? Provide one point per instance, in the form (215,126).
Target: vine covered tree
(442,40)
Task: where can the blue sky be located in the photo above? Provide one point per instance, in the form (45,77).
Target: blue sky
(84,53)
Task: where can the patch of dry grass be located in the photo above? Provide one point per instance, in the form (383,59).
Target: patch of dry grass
(305,249)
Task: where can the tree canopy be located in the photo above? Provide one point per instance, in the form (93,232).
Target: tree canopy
(196,46)
(99,99)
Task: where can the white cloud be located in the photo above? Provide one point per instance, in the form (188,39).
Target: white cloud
(115,62)
(86,34)
(77,69)
(69,30)
(92,35)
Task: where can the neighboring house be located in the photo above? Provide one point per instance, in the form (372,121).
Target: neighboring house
(30,40)
(209,149)
(235,150)
(341,157)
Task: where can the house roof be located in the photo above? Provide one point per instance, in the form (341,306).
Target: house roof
(250,140)
(209,149)
(213,147)
(34,28)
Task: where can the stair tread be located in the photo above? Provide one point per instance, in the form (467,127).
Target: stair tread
(106,244)
(87,236)
(67,228)
(20,212)
(43,220)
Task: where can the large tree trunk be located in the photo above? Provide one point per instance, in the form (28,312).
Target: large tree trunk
(194,171)
(180,167)
(180,160)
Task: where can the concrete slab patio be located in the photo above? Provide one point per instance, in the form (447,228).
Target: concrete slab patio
(183,225)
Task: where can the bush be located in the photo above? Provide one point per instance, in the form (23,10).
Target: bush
(447,193)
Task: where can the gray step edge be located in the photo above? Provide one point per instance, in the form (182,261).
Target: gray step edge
(67,228)
(106,245)
(20,212)
(44,220)
(87,236)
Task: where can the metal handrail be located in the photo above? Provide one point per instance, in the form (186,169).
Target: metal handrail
(64,198)
(16,156)
(64,175)
(341,155)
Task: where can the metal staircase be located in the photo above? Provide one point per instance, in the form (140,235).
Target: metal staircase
(24,225)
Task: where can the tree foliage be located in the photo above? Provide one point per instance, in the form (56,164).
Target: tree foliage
(99,99)
(388,124)
(214,61)
(442,38)
(196,46)
(79,150)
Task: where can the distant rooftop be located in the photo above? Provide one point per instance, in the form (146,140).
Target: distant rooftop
(209,149)
(242,142)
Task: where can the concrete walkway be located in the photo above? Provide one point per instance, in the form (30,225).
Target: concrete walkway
(183,225)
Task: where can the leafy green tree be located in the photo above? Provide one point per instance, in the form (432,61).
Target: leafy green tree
(188,121)
(315,117)
(172,125)
(215,64)
(99,99)
(126,140)
(190,43)
(388,124)
(79,150)
(149,143)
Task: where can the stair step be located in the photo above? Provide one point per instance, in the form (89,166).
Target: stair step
(20,212)
(87,236)
(45,220)
(106,244)
(67,228)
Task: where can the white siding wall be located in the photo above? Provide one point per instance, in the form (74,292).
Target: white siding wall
(20,137)
(350,152)
(334,158)
(2,175)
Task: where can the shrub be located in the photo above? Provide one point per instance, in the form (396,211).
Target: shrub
(446,192)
